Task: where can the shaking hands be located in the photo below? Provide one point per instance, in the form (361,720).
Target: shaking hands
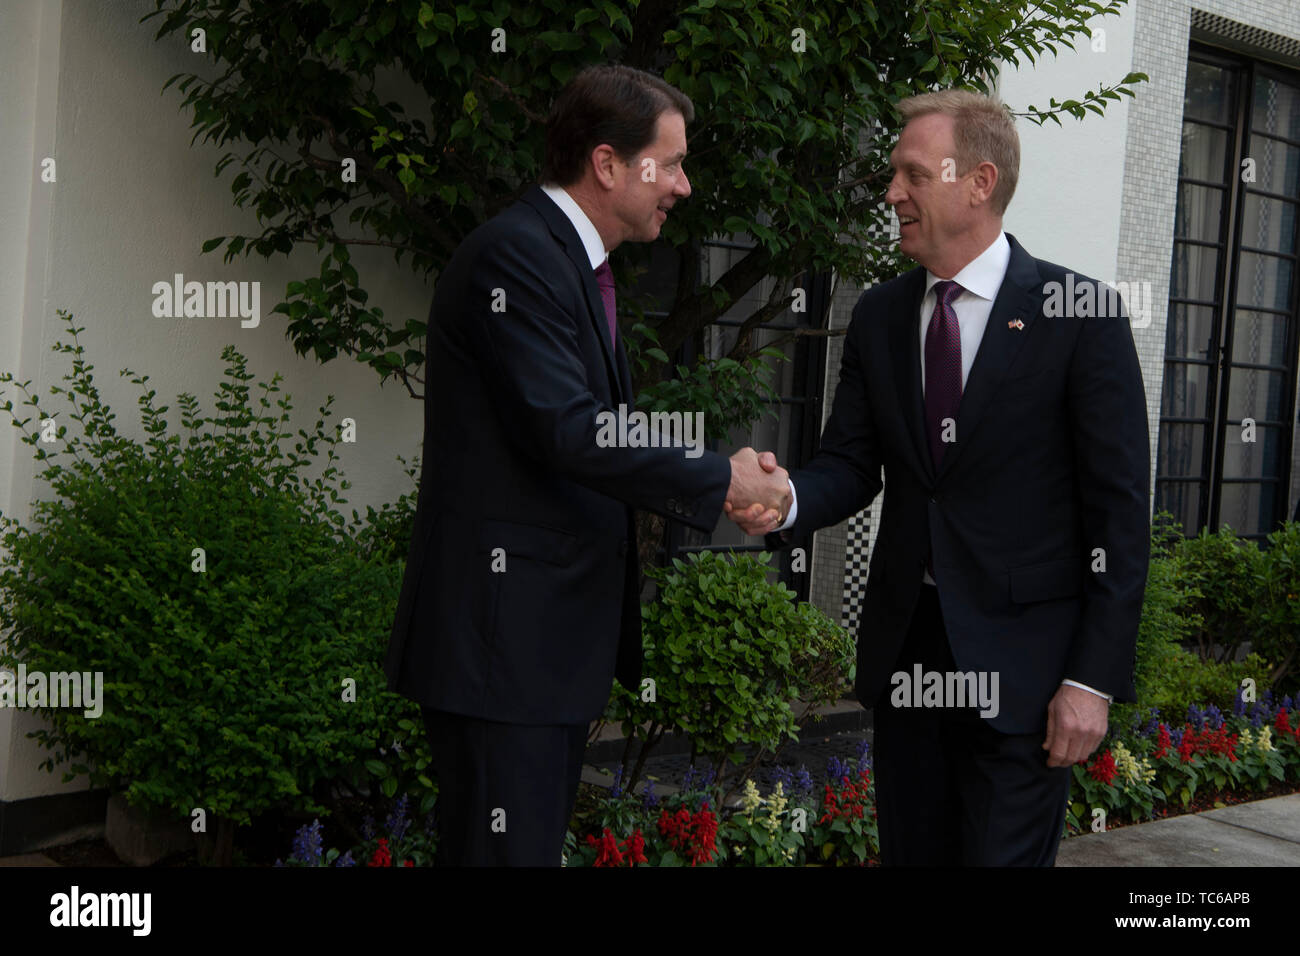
(759,498)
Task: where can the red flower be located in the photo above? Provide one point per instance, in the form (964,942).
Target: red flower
(693,834)
(1103,768)
(608,853)
(1163,742)
(1282,723)
(409,863)
(850,803)
(1208,742)
(381,857)
(636,847)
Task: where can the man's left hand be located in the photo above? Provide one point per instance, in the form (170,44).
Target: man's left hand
(1076,722)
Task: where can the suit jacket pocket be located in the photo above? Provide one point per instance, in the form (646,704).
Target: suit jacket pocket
(1050,580)
(537,542)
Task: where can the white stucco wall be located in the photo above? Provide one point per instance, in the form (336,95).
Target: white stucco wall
(131,207)
(1067,203)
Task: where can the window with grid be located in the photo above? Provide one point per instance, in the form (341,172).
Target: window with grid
(1228,403)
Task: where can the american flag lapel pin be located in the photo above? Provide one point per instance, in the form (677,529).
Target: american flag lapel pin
(1015,324)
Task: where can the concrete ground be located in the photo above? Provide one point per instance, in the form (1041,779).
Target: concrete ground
(1263,833)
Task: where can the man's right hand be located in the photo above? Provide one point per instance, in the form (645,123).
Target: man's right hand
(759,497)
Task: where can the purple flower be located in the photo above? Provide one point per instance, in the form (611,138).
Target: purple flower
(1213,717)
(306,844)
(836,769)
(1152,726)
(616,790)
(784,776)
(367,827)
(648,799)
(803,781)
(1239,704)
(1195,717)
(697,783)
(345,860)
(1286,702)
(1257,716)
(398,822)
(1176,738)
(863,750)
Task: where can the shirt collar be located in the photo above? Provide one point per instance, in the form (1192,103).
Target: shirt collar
(591,240)
(983,275)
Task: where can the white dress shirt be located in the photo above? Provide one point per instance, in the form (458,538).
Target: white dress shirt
(591,241)
(980,280)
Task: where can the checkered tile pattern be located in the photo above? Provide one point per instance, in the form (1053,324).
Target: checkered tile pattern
(848,545)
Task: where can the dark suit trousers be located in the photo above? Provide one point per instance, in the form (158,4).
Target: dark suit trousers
(951,790)
(505,791)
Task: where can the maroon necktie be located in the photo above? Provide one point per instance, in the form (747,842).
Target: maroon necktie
(942,367)
(942,372)
(605,279)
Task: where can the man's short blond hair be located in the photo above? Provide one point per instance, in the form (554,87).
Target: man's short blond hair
(982,130)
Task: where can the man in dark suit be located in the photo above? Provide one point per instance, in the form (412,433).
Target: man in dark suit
(1006,409)
(520,601)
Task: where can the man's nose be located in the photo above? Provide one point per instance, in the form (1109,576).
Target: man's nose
(895,193)
(683,186)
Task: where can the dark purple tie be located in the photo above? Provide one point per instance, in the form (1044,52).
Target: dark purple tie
(942,371)
(942,367)
(605,279)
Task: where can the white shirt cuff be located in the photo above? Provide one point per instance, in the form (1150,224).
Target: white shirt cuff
(1091,690)
(794,508)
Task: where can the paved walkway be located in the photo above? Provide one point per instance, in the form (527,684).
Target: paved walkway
(1263,833)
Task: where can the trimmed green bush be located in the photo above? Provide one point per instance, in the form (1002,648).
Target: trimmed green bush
(730,654)
(238,678)
(1277,623)
(1224,571)
(1181,573)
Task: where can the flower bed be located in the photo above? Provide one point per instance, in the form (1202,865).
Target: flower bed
(1148,771)
(1158,767)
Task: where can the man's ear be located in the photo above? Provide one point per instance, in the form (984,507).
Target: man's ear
(604,163)
(984,179)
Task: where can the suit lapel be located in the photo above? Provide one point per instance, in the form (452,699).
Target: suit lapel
(567,236)
(1015,310)
(905,354)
